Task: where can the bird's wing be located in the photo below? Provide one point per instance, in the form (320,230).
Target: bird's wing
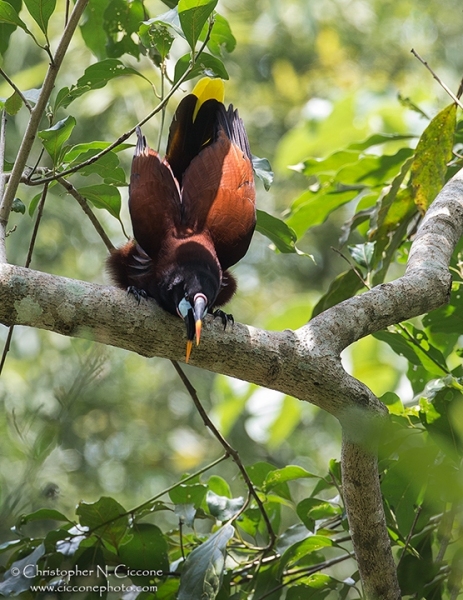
(191,129)
(154,198)
(218,190)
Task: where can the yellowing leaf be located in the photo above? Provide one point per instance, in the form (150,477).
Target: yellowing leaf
(432,154)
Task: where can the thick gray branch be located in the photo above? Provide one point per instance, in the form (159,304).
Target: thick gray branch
(304,363)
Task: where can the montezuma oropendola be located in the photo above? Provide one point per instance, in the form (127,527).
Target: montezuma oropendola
(193,212)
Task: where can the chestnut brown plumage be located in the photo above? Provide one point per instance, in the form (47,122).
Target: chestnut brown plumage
(193,214)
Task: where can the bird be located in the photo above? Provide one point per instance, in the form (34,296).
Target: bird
(193,212)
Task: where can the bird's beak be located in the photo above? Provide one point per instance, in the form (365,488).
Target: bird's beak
(199,310)
(193,318)
(189,347)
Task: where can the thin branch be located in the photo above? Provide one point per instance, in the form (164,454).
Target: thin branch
(38,111)
(437,78)
(352,266)
(128,133)
(85,207)
(16,89)
(411,532)
(6,347)
(229,449)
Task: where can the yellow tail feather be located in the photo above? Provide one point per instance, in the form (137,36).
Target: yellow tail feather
(208,88)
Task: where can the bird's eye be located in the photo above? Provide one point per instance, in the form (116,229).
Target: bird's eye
(183,307)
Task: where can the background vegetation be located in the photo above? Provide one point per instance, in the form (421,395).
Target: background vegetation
(82,421)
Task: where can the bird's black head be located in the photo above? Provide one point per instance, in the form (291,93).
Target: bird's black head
(189,289)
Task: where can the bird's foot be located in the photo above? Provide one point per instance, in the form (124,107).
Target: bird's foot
(225,317)
(137,293)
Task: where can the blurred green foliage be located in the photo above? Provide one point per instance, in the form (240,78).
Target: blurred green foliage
(331,90)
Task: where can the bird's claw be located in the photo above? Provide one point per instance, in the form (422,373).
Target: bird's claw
(225,317)
(137,293)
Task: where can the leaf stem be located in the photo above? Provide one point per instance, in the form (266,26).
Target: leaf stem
(12,84)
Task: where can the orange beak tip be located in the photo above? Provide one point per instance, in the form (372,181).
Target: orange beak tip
(189,347)
(199,325)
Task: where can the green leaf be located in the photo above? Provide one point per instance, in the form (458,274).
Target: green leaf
(6,29)
(399,344)
(157,35)
(74,154)
(146,550)
(54,138)
(206,64)
(107,517)
(92,26)
(379,138)
(13,104)
(311,510)
(121,20)
(221,39)
(289,473)
(277,231)
(41,11)
(329,165)
(95,77)
(18,206)
(447,319)
(193,15)
(221,507)
(203,570)
(416,349)
(218,485)
(432,154)
(188,494)
(103,196)
(107,167)
(363,254)
(344,286)
(40,515)
(9,15)
(263,171)
(258,473)
(312,543)
(313,208)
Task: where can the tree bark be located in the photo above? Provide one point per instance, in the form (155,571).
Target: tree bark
(304,363)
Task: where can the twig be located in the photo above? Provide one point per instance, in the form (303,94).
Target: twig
(128,133)
(85,207)
(16,89)
(437,78)
(229,449)
(410,533)
(352,266)
(6,347)
(38,110)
